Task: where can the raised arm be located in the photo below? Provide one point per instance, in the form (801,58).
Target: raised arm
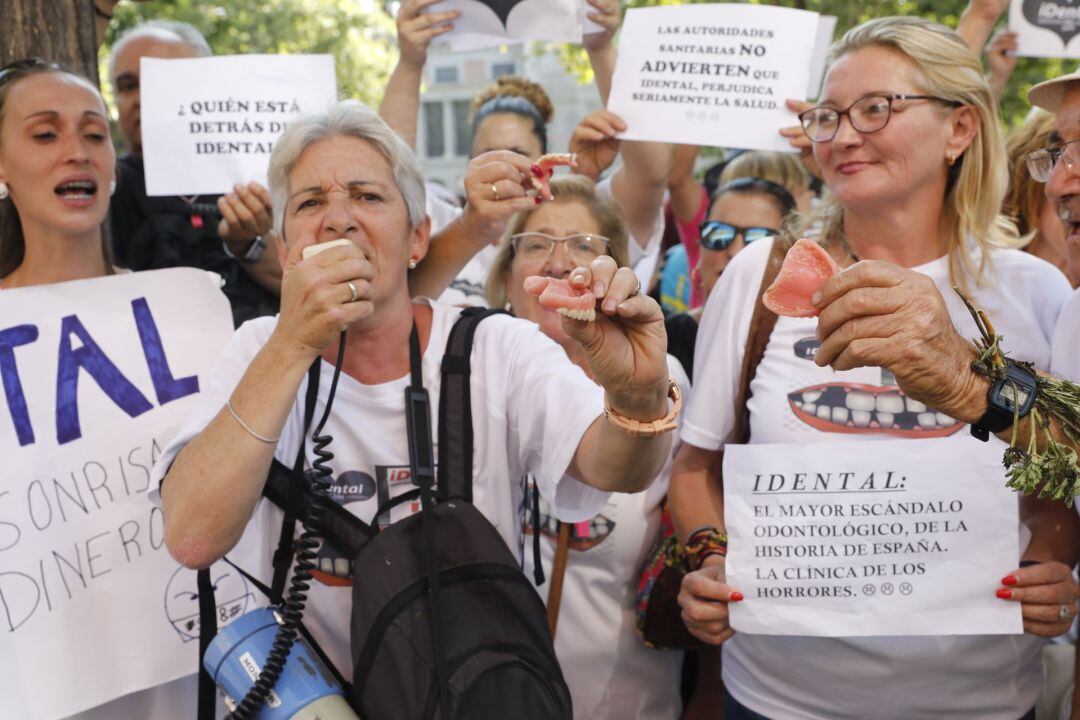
(212,487)
(600,46)
(400,106)
(978,20)
(685,191)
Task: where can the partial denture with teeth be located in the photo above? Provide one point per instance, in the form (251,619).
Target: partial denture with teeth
(587,315)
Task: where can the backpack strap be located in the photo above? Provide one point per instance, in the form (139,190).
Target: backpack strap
(207,698)
(558,572)
(762,323)
(455,408)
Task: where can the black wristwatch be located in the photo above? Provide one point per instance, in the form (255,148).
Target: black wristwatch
(254,253)
(1009,397)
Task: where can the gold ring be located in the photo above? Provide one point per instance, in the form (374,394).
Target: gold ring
(352,289)
(495,192)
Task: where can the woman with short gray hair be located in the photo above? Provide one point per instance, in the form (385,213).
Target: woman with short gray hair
(345,175)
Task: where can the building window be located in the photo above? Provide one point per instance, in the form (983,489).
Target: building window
(434,130)
(462,128)
(448,74)
(500,69)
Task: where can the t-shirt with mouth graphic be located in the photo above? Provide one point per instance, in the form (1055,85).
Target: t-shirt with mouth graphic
(530,408)
(795,401)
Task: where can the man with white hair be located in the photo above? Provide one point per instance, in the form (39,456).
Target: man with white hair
(223,234)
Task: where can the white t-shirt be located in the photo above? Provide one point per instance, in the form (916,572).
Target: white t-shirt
(1065,362)
(467,289)
(610,672)
(530,408)
(644,251)
(809,678)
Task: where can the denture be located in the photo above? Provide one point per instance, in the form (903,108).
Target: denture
(806,268)
(560,296)
(547,164)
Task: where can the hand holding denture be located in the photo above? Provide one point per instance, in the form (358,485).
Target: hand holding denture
(620,329)
(878,314)
(497,187)
(806,267)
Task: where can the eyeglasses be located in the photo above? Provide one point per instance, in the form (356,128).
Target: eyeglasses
(1041,162)
(716,235)
(869,114)
(582,249)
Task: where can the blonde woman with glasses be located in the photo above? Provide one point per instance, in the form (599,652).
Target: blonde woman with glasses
(907,139)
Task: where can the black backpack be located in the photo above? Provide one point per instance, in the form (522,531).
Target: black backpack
(444,625)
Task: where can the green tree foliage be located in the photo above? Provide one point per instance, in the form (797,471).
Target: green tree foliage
(358,33)
(849,14)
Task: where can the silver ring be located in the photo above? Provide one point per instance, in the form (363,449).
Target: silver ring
(637,291)
(352,289)
(1064,613)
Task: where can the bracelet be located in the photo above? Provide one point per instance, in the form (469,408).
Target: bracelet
(636,428)
(252,433)
(702,543)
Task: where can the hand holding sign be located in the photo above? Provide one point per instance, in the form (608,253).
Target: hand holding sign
(1047,593)
(417,28)
(605,20)
(704,598)
(595,142)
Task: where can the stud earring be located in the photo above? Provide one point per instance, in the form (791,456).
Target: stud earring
(112,187)
(3,191)
(412,263)
(950,159)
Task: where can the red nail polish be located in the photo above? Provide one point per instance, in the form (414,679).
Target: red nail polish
(1004,593)
(538,199)
(1009,580)
(736,596)
(537,171)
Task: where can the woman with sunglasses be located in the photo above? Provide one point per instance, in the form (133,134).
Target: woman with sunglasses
(907,140)
(611,674)
(741,211)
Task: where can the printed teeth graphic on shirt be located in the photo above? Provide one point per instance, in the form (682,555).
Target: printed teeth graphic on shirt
(857,409)
(583,535)
(589,314)
(807,348)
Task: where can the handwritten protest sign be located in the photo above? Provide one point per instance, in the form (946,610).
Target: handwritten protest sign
(490,23)
(874,538)
(713,74)
(1045,28)
(97,376)
(209,123)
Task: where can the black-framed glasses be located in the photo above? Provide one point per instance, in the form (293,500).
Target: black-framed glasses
(1041,162)
(582,248)
(868,114)
(716,235)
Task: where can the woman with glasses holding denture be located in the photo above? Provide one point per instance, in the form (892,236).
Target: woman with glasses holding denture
(907,139)
(610,672)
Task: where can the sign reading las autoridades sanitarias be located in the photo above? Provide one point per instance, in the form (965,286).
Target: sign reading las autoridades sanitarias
(97,377)
(870,538)
(713,74)
(210,123)
(1045,28)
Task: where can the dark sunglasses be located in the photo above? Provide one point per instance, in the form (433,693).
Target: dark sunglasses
(716,235)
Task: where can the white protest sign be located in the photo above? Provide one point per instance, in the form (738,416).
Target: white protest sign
(1045,28)
(712,74)
(490,23)
(870,538)
(209,123)
(826,28)
(98,375)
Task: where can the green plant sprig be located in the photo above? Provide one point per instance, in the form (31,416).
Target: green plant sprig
(1052,472)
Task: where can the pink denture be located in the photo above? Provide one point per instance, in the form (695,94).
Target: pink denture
(556,294)
(806,268)
(548,163)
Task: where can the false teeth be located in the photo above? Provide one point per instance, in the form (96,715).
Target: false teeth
(587,315)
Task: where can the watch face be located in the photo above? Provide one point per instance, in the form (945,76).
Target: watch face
(1013,396)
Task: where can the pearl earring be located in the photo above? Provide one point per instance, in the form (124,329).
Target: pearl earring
(412,263)
(3,191)
(112,187)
